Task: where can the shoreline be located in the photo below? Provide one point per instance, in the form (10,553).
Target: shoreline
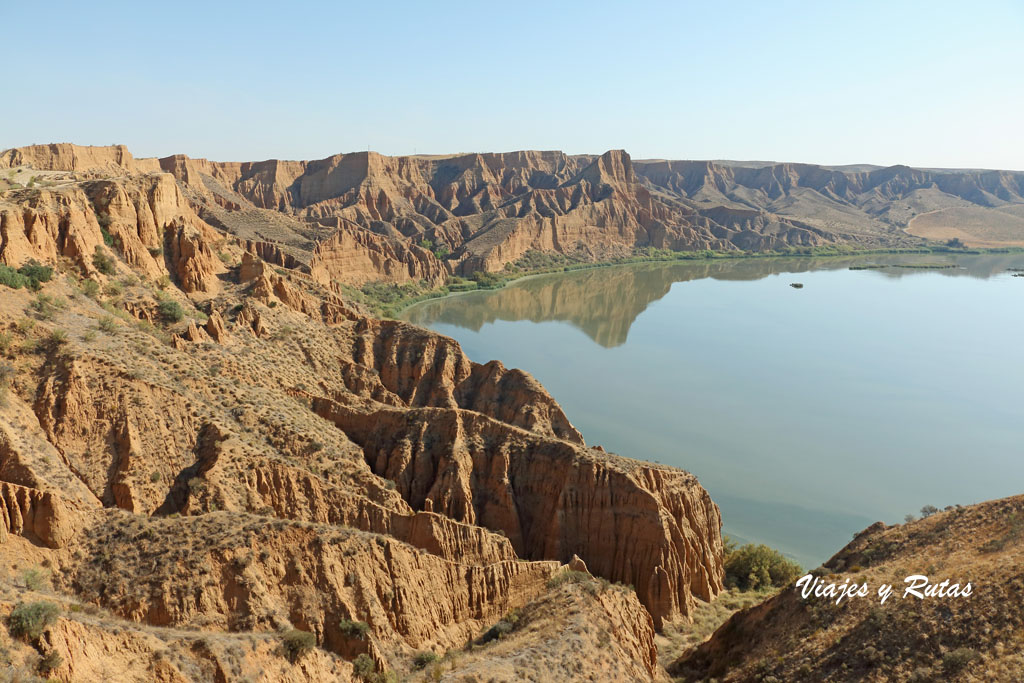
(692,256)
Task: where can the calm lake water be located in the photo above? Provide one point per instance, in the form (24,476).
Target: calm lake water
(807,413)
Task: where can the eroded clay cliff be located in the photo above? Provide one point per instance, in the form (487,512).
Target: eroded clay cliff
(198,441)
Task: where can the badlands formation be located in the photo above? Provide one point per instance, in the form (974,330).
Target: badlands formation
(217,465)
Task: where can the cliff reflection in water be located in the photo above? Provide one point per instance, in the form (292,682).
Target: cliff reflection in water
(604,302)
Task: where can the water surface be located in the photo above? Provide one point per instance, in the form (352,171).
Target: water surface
(806,413)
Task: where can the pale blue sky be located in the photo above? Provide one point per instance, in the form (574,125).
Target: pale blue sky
(923,83)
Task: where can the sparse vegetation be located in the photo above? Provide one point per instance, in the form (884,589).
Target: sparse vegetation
(568,576)
(90,288)
(102,262)
(35,579)
(959,659)
(46,306)
(57,338)
(1014,531)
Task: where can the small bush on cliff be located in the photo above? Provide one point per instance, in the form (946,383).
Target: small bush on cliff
(506,625)
(424,659)
(50,662)
(363,666)
(35,579)
(36,273)
(46,306)
(757,567)
(568,576)
(354,629)
(11,278)
(102,262)
(90,288)
(30,620)
(170,311)
(29,275)
(297,643)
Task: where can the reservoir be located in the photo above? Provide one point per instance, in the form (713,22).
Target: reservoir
(885,383)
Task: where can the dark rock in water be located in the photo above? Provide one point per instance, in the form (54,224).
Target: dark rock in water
(796,285)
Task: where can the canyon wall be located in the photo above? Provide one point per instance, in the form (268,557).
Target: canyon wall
(196,440)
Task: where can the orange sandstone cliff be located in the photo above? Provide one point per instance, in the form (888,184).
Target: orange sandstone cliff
(218,467)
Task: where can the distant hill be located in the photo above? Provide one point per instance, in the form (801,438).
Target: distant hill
(482,211)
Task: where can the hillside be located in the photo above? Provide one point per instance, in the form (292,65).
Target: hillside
(975,638)
(217,467)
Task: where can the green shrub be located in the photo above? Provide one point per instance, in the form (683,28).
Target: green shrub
(354,629)
(5,342)
(90,288)
(30,620)
(29,275)
(57,338)
(12,278)
(487,280)
(50,662)
(170,311)
(297,643)
(156,252)
(363,666)
(757,567)
(423,659)
(107,324)
(102,262)
(36,272)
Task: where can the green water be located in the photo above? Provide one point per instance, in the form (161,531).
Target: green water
(806,413)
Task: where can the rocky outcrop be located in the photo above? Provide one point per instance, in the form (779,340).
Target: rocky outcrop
(91,647)
(38,515)
(44,225)
(312,576)
(354,256)
(549,497)
(144,219)
(603,633)
(419,368)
